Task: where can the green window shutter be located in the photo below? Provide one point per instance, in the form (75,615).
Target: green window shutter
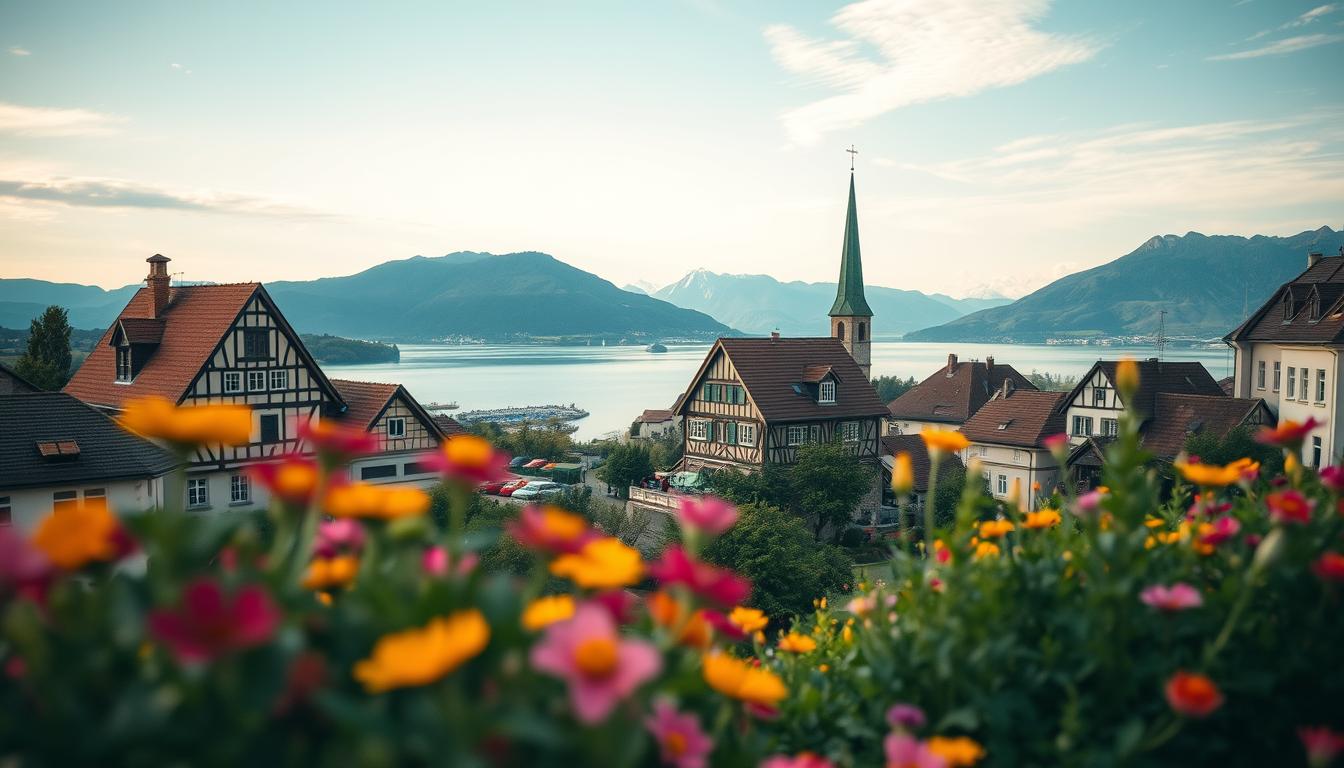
(732,432)
(704,391)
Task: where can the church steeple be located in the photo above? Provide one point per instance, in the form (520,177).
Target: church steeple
(851,318)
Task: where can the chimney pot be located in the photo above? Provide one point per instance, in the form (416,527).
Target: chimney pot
(158,282)
(989,363)
(951,363)
(1312,258)
(1007,387)
(774,335)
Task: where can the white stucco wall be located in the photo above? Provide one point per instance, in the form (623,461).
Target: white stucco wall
(29,505)
(1026,465)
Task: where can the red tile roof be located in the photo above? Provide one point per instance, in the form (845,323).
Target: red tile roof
(654,416)
(364,400)
(1023,418)
(196,318)
(919,457)
(449,426)
(1178,417)
(954,399)
(1309,308)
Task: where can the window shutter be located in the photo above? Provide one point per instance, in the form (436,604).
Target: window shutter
(732,432)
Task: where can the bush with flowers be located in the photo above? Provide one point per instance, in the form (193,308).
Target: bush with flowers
(348,627)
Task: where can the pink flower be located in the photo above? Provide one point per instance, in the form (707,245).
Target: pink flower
(337,537)
(800,760)
(1332,477)
(1219,531)
(1056,441)
(600,667)
(24,568)
(337,443)
(619,603)
(710,514)
(1088,503)
(718,585)
(681,741)
(906,716)
(1321,743)
(1290,507)
(1177,597)
(209,624)
(437,562)
(905,751)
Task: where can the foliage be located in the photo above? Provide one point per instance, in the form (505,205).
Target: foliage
(1052,382)
(665,450)
(826,483)
(1239,442)
(787,567)
(335,350)
(769,486)
(46,358)
(891,387)
(626,465)
(537,441)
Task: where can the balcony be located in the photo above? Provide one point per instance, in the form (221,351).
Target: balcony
(662,501)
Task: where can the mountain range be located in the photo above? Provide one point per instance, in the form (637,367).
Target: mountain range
(1206,284)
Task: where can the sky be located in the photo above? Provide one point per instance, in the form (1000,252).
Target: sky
(1001,143)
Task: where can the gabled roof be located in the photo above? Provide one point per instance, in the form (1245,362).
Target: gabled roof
(449,426)
(1227,385)
(919,457)
(22,384)
(773,369)
(655,416)
(83,445)
(1024,418)
(140,330)
(1179,377)
(367,400)
(1177,417)
(1323,283)
(954,399)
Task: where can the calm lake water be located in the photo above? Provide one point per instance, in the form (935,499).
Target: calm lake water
(616,383)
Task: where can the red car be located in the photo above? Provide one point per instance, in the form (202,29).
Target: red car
(508,488)
(493,486)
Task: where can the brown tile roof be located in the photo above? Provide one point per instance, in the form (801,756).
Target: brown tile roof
(17,384)
(773,372)
(449,426)
(195,320)
(1179,377)
(919,456)
(1177,417)
(954,399)
(1287,316)
(654,416)
(1227,385)
(364,400)
(142,330)
(1024,418)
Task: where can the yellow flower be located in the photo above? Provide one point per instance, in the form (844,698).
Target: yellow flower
(822,603)
(379,502)
(157,417)
(603,563)
(739,680)
(749,620)
(958,751)
(796,643)
(1127,377)
(823,668)
(847,634)
(328,572)
(421,656)
(986,549)
(1154,522)
(902,474)
(1210,475)
(993,529)
(1045,518)
(545,611)
(946,440)
(78,535)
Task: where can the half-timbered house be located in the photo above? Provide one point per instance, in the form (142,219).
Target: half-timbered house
(1093,408)
(404,429)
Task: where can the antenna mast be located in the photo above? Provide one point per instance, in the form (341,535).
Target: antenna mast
(1161,333)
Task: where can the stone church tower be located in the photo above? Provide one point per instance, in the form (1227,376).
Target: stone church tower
(851,319)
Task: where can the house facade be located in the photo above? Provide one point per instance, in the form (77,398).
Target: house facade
(920,466)
(1093,408)
(1288,353)
(1007,436)
(405,432)
(654,423)
(946,399)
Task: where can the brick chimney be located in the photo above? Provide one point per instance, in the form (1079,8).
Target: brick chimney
(989,365)
(158,284)
(951,364)
(1312,258)
(1007,387)
(774,335)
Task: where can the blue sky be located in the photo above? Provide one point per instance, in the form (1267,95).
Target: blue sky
(1002,143)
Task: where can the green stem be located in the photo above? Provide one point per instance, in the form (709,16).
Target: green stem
(931,501)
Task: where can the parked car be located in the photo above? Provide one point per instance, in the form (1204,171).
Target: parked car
(513,485)
(542,490)
(493,486)
(519,461)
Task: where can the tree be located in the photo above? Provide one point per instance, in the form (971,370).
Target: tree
(626,465)
(1047,382)
(826,483)
(1237,443)
(891,387)
(787,567)
(769,486)
(666,449)
(542,441)
(46,361)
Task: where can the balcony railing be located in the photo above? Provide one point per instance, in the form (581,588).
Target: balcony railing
(657,499)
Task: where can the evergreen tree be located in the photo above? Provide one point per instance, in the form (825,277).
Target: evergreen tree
(626,465)
(46,361)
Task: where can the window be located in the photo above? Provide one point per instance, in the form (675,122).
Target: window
(1292,381)
(797,434)
(1082,425)
(396,427)
(233,382)
(198,492)
(1110,427)
(63,500)
(6,512)
(1017,455)
(1278,368)
(863,331)
(1260,375)
(746,434)
(728,433)
(279,379)
(240,489)
(1320,385)
(1316,452)
(256,343)
(840,331)
(377,471)
(849,431)
(416,468)
(95,493)
(698,430)
(1099,397)
(1003,484)
(826,392)
(256,381)
(270,428)
(1302,391)
(123,363)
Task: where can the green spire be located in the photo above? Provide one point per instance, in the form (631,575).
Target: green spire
(849,301)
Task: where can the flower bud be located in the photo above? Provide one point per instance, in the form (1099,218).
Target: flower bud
(1127,378)
(1268,551)
(902,474)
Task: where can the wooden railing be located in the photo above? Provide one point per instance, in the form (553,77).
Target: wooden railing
(657,499)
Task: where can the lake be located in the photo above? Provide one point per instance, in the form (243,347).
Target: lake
(615,384)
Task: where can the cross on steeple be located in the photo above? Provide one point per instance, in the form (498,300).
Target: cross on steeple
(852,152)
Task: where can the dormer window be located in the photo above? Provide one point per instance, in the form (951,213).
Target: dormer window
(826,392)
(1314,305)
(124,364)
(1287,306)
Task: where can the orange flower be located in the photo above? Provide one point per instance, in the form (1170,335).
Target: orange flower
(1193,695)
(293,479)
(944,440)
(994,529)
(74,537)
(379,502)
(902,474)
(739,680)
(1046,518)
(796,643)
(958,751)
(1127,377)
(545,611)
(603,563)
(749,620)
(421,656)
(328,572)
(471,459)
(985,549)
(668,613)
(1210,475)
(157,417)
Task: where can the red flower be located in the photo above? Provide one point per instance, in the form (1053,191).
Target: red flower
(209,624)
(723,626)
(307,673)
(471,460)
(718,585)
(551,529)
(24,568)
(1330,567)
(1290,507)
(1289,433)
(1332,477)
(619,603)
(1321,743)
(1219,531)
(337,443)
(1056,441)
(1193,695)
(292,479)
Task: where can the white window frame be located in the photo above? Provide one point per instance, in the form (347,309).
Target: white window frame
(279,379)
(198,488)
(1306,385)
(236,377)
(400,430)
(1260,374)
(849,431)
(1003,485)
(746,434)
(1316,452)
(257,376)
(1098,397)
(124,375)
(1110,427)
(1278,374)
(697,429)
(240,489)
(826,392)
(1320,385)
(95,493)
(1292,382)
(1083,420)
(796,434)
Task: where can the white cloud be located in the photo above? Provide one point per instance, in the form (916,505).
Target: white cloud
(896,53)
(1310,16)
(1280,47)
(16,50)
(49,121)
(180,68)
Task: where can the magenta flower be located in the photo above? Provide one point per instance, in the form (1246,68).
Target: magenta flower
(1221,530)
(710,514)
(208,624)
(600,667)
(437,562)
(906,716)
(1290,506)
(337,537)
(1332,477)
(1178,597)
(905,751)
(24,568)
(1056,441)
(718,585)
(1322,744)
(800,760)
(681,741)
(1088,503)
